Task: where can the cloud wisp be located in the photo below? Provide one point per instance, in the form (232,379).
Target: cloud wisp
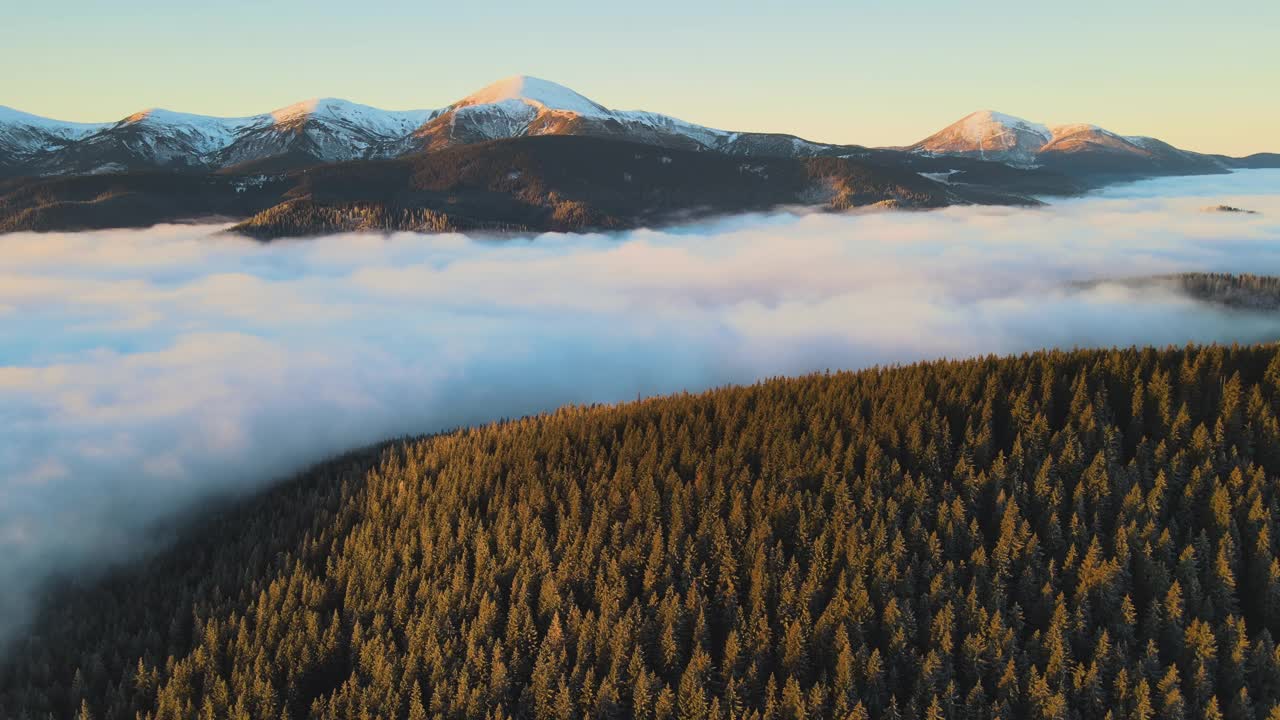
(142,371)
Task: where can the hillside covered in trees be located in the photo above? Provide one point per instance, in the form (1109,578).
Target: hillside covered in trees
(1057,535)
(552,183)
(1246,292)
(1237,291)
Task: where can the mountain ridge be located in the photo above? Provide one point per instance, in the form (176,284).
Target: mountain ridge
(1074,148)
(323,130)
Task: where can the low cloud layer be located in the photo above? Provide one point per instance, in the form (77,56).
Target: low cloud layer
(141,371)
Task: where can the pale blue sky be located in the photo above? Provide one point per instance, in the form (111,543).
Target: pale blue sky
(1202,75)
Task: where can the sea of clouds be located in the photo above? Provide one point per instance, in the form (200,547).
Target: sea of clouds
(142,371)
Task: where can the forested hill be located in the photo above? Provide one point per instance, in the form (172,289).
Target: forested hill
(1057,535)
(552,183)
(1241,292)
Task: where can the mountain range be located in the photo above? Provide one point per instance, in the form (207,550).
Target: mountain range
(332,130)
(238,167)
(1078,148)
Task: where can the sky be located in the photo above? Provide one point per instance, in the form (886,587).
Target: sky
(143,370)
(1200,75)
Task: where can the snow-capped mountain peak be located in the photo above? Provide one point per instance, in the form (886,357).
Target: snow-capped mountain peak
(1079,148)
(539,93)
(985,124)
(989,135)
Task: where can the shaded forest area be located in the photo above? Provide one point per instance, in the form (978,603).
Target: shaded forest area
(1057,535)
(563,184)
(1245,291)
(1242,291)
(530,184)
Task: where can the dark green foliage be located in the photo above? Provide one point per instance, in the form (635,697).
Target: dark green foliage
(1058,535)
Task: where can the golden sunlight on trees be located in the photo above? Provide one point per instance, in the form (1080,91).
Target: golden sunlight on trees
(1055,535)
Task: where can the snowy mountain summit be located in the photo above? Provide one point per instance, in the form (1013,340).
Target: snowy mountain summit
(533,92)
(1079,148)
(989,135)
(521,106)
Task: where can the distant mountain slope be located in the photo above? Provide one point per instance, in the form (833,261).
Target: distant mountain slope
(319,131)
(988,135)
(528,183)
(147,140)
(577,183)
(1078,150)
(1091,150)
(1240,292)
(1254,161)
(1077,534)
